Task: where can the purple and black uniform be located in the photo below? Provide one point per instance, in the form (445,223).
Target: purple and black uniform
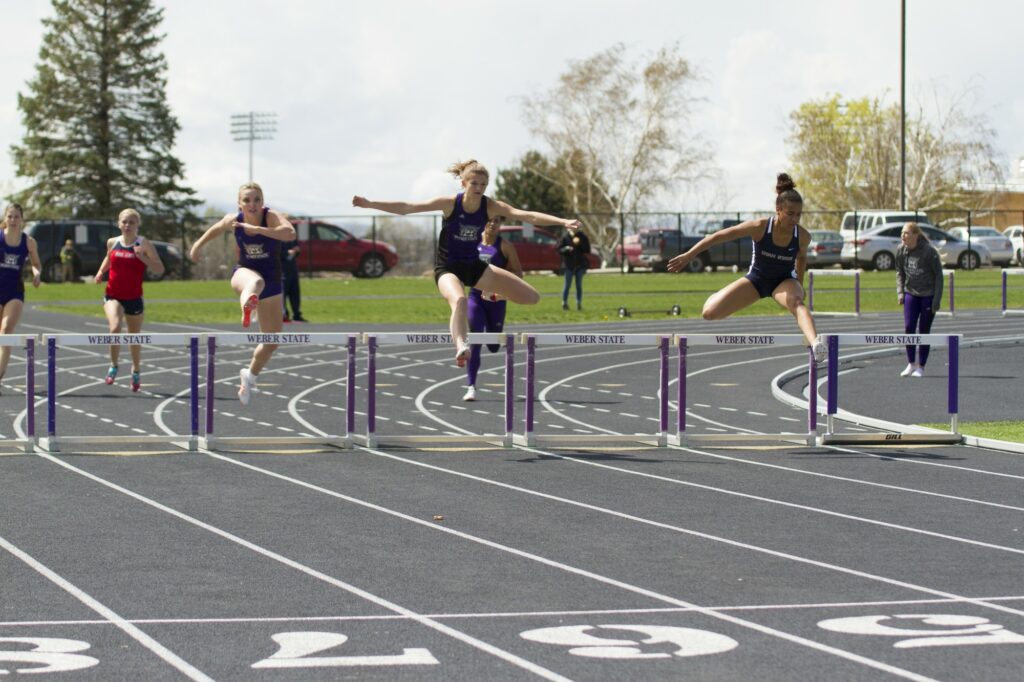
(771,265)
(12,261)
(261,255)
(456,245)
(485,316)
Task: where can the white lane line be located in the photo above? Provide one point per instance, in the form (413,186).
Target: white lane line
(111,617)
(772,632)
(506,614)
(312,572)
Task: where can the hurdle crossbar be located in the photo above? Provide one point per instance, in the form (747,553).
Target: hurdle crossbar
(373,341)
(1006,310)
(210,441)
(28,443)
(683,342)
(831,437)
(52,443)
(834,273)
(530,438)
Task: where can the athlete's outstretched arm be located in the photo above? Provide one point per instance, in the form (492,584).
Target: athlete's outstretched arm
(531,217)
(33,257)
(750,228)
(223,225)
(444,204)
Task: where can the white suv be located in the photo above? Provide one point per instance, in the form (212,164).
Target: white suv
(865,220)
(1015,233)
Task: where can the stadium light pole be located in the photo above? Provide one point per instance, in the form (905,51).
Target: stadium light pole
(903,105)
(251,127)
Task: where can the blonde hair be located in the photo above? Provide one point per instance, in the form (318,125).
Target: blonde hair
(248,186)
(130,211)
(11,207)
(463,169)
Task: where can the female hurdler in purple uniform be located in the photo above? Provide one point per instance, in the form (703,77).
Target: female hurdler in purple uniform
(457,264)
(258,232)
(486,311)
(15,248)
(776,270)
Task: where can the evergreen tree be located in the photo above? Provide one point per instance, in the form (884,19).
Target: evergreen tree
(530,185)
(99,131)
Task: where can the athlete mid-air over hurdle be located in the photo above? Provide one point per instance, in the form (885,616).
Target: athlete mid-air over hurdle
(777,269)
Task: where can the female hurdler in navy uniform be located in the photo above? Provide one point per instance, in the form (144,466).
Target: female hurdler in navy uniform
(259,232)
(776,270)
(457,264)
(15,248)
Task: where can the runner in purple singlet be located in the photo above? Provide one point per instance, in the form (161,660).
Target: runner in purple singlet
(457,264)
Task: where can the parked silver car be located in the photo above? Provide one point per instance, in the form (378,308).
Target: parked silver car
(995,241)
(876,248)
(825,249)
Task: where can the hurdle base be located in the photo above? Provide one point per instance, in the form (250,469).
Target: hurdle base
(23,444)
(684,439)
(52,444)
(211,442)
(534,439)
(892,439)
(374,440)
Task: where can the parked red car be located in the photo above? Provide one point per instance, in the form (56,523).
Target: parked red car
(328,247)
(634,253)
(539,251)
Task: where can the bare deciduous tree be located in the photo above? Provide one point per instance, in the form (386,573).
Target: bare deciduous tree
(619,134)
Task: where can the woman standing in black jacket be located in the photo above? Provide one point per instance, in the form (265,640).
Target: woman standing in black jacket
(574,247)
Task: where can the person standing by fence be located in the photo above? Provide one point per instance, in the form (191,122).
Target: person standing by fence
(290,281)
(918,290)
(574,247)
(69,262)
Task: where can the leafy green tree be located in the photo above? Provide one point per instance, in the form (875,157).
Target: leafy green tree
(847,154)
(530,185)
(99,131)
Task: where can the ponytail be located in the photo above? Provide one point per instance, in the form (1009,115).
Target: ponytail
(463,169)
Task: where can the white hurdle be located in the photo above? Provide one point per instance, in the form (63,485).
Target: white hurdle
(834,273)
(683,342)
(659,341)
(374,340)
(28,443)
(52,443)
(952,341)
(1006,310)
(213,341)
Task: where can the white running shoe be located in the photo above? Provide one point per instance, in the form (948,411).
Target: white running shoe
(908,371)
(470,394)
(462,355)
(820,350)
(918,372)
(248,384)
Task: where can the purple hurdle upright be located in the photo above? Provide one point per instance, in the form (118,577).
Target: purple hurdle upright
(889,433)
(373,438)
(52,443)
(214,341)
(529,436)
(684,342)
(1006,309)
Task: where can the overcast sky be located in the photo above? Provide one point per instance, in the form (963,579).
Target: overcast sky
(377,98)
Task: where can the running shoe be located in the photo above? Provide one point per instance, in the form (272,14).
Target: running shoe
(462,355)
(111,375)
(248,383)
(247,308)
(820,349)
(908,370)
(136,383)
(470,394)
(917,373)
